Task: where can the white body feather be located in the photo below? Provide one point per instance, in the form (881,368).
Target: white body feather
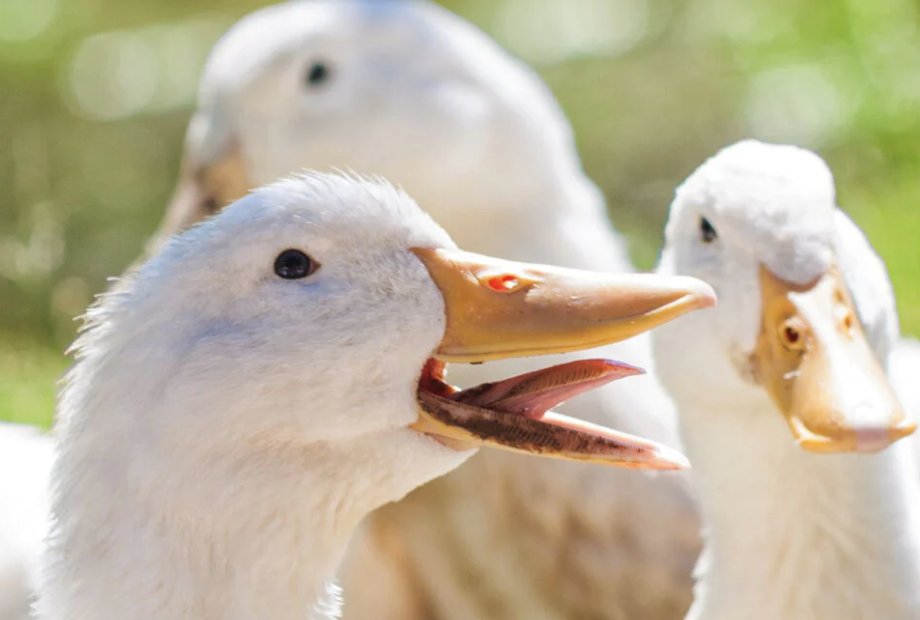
(25,462)
(223,430)
(424,99)
(789,535)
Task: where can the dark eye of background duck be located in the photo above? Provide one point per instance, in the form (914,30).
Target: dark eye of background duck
(317,74)
(209,206)
(294,264)
(708,234)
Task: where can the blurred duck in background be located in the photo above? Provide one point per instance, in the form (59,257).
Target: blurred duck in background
(241,402)
(811,504)
(406,90)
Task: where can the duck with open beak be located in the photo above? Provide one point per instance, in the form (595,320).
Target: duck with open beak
(813,358)
(499,309)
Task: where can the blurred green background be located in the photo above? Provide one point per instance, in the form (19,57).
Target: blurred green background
(96,94)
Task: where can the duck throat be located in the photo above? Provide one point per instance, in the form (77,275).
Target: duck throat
(239,554)
(796,535)
(235,536)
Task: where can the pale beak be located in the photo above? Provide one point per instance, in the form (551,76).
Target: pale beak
(498,309)
(813,359)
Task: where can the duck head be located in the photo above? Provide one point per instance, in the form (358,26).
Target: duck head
(806,311)
(323,310)
(278,371)
(404,90)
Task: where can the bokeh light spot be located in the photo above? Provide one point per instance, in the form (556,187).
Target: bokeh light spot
(551,31)
(798,104)
(113,75)
(21,20)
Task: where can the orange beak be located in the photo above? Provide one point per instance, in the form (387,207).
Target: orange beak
(498,309)
(813,359)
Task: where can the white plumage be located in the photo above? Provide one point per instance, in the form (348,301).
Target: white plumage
(208,430)
(25,462)
(413,93)
(235,408)
(417,95)
(790,534)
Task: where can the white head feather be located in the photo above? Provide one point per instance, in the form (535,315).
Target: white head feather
(772,205)
(424,98)
(790,534)
(408,91)
(223,430)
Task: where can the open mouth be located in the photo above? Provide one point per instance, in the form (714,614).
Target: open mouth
(496,309)
(515,414)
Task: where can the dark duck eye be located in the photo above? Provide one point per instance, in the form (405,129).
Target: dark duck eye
(317,74)
(708,234)
(294,264)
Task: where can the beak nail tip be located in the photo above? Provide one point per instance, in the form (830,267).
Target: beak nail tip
(673,458)
(707,296)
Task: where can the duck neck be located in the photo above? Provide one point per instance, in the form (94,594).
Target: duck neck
(243,535)
(795,535)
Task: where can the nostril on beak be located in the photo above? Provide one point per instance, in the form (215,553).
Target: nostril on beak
(846,324)
(503,284)
(791,334)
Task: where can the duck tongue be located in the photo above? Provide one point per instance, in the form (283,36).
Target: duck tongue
(534,393)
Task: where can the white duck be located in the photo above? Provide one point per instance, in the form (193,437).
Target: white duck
(791,364)
(275,374)
(25,462)
(407,90)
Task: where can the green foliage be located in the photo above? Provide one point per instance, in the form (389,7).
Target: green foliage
(27,378)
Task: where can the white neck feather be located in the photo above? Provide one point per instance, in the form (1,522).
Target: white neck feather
(260,536)
(798,536)
(163,514)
